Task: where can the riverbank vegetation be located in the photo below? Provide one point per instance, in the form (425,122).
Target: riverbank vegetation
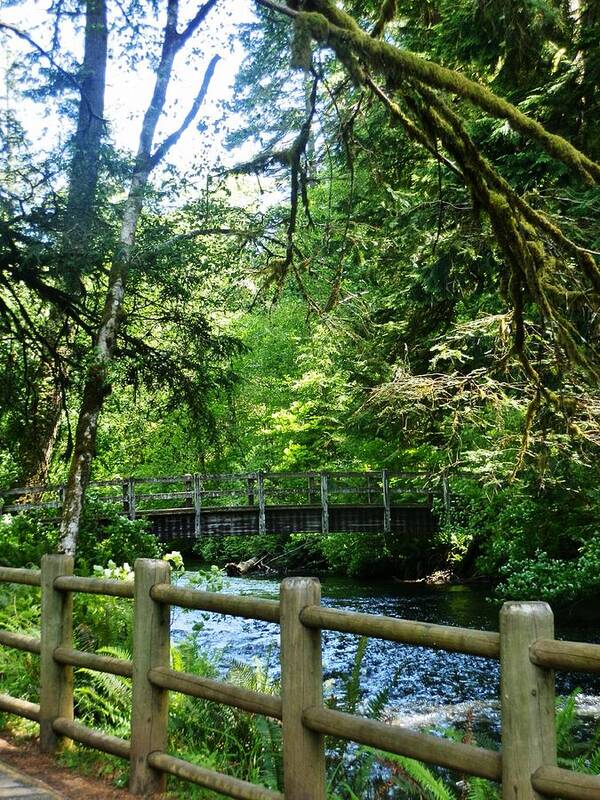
(382,253)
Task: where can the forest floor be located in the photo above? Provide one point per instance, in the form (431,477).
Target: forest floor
(24,756)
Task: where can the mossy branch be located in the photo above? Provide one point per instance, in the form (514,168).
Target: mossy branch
(336,29)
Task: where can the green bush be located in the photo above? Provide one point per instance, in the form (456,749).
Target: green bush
(104,535)
(537,541)
(545,578)
(351,554)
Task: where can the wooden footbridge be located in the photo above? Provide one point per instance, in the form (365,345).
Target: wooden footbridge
(190,506)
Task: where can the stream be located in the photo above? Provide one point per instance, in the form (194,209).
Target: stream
(427,688)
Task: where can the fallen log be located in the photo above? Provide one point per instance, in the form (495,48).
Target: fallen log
(234,570)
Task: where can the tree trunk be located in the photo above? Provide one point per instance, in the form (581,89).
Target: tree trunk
(97,384)
(46,410)
(589,31)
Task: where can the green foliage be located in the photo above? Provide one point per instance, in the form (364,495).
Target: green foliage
(417,779)
(543,577)
(19,671)
(539,541)
(24,538)
(352,554)
(105,535)
(103,700)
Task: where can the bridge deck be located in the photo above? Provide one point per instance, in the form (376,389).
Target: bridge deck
(175,523)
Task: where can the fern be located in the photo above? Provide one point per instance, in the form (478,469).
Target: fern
(353,685)
(565,721)
(426,783)
(104,698)
(254,677)
(271,771)
(376,705)
(480,789)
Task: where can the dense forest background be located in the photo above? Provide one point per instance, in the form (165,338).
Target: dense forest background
(367,263)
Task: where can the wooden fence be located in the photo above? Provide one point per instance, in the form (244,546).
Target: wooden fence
(200,493)
(528,653)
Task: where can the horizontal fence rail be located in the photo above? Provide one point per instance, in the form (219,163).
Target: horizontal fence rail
(525,646)
(197,504)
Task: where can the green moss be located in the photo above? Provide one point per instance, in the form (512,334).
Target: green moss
(301,43)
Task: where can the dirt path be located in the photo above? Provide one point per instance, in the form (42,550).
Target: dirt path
(25,757)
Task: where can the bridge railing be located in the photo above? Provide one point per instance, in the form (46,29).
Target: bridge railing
(525,646)
(137,496)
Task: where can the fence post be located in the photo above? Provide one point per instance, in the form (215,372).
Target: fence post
(527,698)
(262,519)
(324,503)
(301,688)
(387,514)
(150,705)
(197,505)
(56,680)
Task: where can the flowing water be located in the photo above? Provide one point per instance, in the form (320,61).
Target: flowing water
(428,687)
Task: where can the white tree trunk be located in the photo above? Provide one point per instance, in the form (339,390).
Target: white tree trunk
(97,384)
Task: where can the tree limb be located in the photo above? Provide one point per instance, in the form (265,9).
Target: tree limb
(196,20)
(164,147)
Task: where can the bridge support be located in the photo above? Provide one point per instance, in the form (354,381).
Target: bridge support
(324,503)
(262,519)
(197,505)
(385,488)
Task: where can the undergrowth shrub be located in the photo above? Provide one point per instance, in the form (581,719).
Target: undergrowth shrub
(351,554)
(104,535)
(539,542)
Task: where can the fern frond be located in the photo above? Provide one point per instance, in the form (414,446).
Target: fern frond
(480,789)
(565,721)
(420,776)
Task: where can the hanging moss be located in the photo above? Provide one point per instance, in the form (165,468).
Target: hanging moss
(386,14)
(332,26)
(539,259)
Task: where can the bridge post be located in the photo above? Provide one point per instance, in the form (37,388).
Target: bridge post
(197,505)
(262,518)
(125,491)
(131,498)
(301,689)
(150,703)
(56,680)
(387,513)
(445,491)
(250,490)
(324,503)
(188,487)
(527,699)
